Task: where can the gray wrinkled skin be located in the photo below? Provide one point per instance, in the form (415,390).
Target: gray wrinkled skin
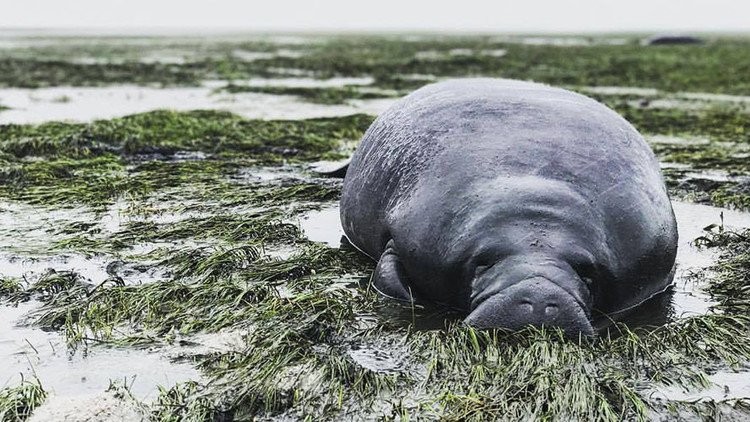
(516,203)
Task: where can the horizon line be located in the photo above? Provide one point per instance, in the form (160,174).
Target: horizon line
(218,30)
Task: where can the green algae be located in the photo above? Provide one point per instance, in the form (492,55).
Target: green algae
(17,403)
(727,193)
(732,278)
(184,402)
(167,132)
(136,155)
(733,196)
(39,73)
(10,287)
(723,124)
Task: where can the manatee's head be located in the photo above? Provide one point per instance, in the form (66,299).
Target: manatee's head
(531,290)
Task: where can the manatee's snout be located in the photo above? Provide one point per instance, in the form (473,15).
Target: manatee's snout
(536,301)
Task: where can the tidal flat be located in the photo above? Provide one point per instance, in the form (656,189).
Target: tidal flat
(168,252)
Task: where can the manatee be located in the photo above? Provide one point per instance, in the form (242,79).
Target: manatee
(512,202)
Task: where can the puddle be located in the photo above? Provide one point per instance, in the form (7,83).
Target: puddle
(323,225)
(329,167)
(563,41)
(725,385)
(93,407)
(266,174)
(291,72)
(500,52)
(27,234)
(31,268)
(621,90)
(298,82)
(457,52)
(669,103)
(250,56)
(704,96)
(85,104)
(680,100)
(674,166)
(33,352)
(676,140)
(32,229)
(384,360)
(715,175)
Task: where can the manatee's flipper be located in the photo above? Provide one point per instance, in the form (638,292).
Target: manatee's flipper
(335,169)
(390,279)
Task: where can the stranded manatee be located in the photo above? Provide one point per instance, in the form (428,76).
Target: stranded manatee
(514,202)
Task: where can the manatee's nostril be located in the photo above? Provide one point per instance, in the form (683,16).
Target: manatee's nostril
(531,302)
(527,306)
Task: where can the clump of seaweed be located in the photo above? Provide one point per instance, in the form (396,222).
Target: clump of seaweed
(17,403)
(717,123)
(9,287)
(167,132)
(136,155)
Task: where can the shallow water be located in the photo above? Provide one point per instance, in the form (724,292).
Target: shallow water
(562,41)
(679,100)
(107,406)
(29,233)
(323,225)
(33,352)
(298,82)
(688,298)
(621,90)
(377,358)
(676,140)
(724,385)
(457,52)
(30,268)
(86,104)
(670,104)
(705,96)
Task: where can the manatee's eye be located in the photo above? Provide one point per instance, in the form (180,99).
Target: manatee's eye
(588,272)
(484,260)
(584,265)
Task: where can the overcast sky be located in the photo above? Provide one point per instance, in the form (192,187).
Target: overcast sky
(388,15)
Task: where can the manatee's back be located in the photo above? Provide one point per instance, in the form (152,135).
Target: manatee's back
(462,131)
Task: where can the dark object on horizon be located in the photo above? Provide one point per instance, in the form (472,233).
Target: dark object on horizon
(515,203)
(673,40)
